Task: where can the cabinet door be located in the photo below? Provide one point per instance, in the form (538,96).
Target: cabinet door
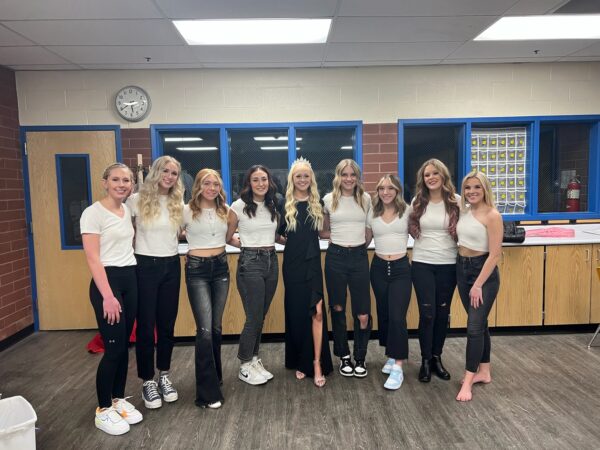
(567,284)
(520,300)
(595,301)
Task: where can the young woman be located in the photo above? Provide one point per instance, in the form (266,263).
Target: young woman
(256,217)
(347,265)
(207,279)
(158,213)
(390,274)
(432,223)
(480,233)
(306,343)
(107,235)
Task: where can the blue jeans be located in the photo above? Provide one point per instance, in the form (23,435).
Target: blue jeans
(257,276)
(207,281)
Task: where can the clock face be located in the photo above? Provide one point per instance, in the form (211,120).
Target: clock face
(132,103)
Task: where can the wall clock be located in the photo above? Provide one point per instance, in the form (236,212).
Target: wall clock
(132,103)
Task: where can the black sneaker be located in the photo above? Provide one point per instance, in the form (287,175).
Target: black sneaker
(360,370)
(150,394)
(346,367)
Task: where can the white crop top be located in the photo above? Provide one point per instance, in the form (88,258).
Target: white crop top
(390,238)
(472,234)
(347,223)
(205,231)
(435,245)
(158,238)
(258,231)
(116,234)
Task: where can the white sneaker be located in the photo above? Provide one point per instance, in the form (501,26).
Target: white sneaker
(109,421)
(127,411)
(387,367)
(249,374)
(258,365)
(215,405)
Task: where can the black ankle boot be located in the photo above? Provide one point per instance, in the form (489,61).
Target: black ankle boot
(425,372)
(438,368)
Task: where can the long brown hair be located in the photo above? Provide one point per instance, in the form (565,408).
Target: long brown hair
(421,199)
(399,203)
(248,197)
(336,191)
(220,200)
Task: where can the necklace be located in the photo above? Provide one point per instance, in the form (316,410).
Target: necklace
(211,219)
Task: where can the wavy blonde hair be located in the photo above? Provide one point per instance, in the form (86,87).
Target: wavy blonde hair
(148,202)
(315,210)
(488,194)
(336,191)
(399,203)
(220,201)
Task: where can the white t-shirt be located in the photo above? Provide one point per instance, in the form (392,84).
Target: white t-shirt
(347,223)
(435,245)
(472,234)
(116,234)
(390,238)
(158,238)
(258,231)
(205,231)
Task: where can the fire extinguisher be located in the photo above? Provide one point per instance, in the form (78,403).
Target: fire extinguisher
(573,190)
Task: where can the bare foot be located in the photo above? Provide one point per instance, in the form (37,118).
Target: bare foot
(464,394)
(300,375)
(484,378)
(319,379)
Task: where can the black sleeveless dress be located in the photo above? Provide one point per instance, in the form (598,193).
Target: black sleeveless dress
(303,280)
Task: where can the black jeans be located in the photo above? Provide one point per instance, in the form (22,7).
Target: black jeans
(392,288)
(257,276)
(348,268)
(111,376)
(478,333)
(434,285)
(207,281)
(158,288)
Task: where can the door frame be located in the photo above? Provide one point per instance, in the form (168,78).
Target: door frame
(23,130)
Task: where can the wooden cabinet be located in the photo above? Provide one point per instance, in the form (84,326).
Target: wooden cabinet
(520,300)
(567,284)
(595,281)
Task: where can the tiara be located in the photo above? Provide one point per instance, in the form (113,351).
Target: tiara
(301,160)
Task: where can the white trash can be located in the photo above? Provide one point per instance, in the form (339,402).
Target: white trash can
(17,424)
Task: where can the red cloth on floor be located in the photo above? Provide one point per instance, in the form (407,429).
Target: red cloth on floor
(96,345)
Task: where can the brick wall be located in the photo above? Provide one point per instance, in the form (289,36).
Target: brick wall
(380,152)
(16,311)
(134,141)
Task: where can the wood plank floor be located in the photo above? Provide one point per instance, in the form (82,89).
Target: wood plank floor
(545,394)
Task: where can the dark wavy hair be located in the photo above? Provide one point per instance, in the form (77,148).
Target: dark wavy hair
(248,198)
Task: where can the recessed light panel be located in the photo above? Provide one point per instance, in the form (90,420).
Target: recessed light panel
(534,28)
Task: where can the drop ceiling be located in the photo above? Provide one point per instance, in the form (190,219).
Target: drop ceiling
(138,34)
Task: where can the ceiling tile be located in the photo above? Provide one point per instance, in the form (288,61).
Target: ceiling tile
(497,60)
(129,66)
(423,7)
(79,9)
(421,62)
(531,7)
(218,9)
(260,65)
(125,54)
(408,29)
(389,52)
(45,67)
(259,53)
(517,49)
(10,38)
(591,50)
(98,32)
(13,56)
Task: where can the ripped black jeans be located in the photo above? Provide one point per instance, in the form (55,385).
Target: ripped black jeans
(434,285)
(207,282)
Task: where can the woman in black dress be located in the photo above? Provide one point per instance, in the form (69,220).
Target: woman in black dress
(306,342)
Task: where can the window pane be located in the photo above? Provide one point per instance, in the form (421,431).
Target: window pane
(195,150)
(501,154)
(74,196)
(268,147)
(325,148)
(425,142)
(564,156)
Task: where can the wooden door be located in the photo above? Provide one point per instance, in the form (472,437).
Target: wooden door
(521,296)
(62,276)
(567,284)
(595,300)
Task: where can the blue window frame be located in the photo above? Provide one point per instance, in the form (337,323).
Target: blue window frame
(288,135)
(74,195)
(522,182)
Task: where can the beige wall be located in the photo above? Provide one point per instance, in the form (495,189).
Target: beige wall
(374,95)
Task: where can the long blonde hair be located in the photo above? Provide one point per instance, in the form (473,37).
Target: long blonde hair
(220,201)
(399,203)
(148,203)
(315,210)
(488,194)
(336,191)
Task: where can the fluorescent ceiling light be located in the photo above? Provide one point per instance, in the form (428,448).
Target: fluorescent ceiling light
(197,148)
(183,139)
(273,138)
(534,28)
(254,31)
(346,147)
(274,148)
